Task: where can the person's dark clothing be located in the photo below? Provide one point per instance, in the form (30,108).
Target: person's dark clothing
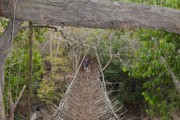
(86,63)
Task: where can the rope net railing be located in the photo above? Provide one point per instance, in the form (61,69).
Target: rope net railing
(86,99)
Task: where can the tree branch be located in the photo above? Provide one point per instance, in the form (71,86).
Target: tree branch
(13,105)
(173,76)
(104,84)
(110,53)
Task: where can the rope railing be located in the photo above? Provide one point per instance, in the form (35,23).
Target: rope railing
(76,72)
(86,99)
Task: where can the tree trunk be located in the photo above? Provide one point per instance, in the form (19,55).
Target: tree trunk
(2,63)
(2,112)
(5,44)
(94,14)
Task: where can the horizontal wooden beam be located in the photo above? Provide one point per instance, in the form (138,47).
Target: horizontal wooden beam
(94,14)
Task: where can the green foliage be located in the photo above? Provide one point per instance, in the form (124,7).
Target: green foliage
(127,90)
(160,93)
(165,3)
(57,64)
(59,61)
(40,34)
(17,73)
(16,69)
(47,91)
(3,24)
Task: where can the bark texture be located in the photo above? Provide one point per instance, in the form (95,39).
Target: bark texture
(5,44)
(2,112)
(94,14)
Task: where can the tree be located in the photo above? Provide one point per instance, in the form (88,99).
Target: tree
(157,61)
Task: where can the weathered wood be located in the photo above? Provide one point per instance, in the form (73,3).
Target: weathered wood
(2,112)
(5,44)
(94,14)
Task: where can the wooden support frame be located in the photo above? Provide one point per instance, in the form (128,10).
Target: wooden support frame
(94,14)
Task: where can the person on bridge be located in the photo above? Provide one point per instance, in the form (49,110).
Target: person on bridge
(86,64)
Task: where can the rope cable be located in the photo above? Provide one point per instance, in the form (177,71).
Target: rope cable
(77,72)
(19,74)
(104,84)
(74,78)
(11,44)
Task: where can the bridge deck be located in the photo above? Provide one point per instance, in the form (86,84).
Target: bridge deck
(86,99)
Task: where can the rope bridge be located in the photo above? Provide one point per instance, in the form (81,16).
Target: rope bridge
(86,99)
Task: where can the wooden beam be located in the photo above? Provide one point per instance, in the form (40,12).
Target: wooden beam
(94,14)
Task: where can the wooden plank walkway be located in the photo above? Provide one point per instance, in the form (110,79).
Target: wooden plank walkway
(86,99)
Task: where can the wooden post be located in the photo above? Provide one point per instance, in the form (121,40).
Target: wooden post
(30,68)
(2,112)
